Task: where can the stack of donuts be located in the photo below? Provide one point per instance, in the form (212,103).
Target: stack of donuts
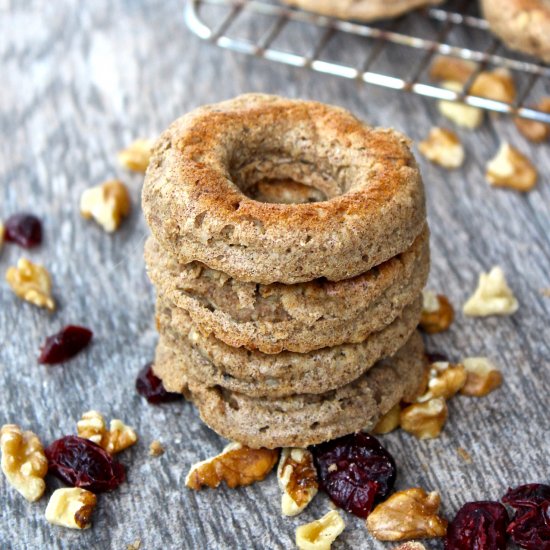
(289,251)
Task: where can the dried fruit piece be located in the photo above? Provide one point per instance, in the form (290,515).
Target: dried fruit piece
(425,420)
(321,533)
(478,525)
(82,463)
(409,514)
(297,479)
(482,377)
(437,312)
(237,465)
(32,283)
(23,461)
(119,436)
(137,155)
(156,448)
(355,471)
(443,147)
(534,130)
(24,229)
(497,85)
(64,345)
(107,204)
(446,68)
(511,169)
(492,296)
(461,114)
(389,422)
(445,380)
(530,526)
(150,386)
(71,507)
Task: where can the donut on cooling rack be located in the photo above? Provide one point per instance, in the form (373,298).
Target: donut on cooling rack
(207,169)
(523,25)
(364,10)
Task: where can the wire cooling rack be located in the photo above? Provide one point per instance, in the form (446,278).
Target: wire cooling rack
(395,54)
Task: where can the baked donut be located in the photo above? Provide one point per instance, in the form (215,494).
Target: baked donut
(210,362)
(200,188)
(523,25)
(300,317)
(365,10)
(306,419)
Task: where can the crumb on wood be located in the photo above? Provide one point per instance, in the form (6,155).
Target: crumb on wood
(464,455)
(156,448)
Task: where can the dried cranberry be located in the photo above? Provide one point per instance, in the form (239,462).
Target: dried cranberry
(150,386)
(436,357)
(355,471)
(82,463)
(64,345)
(530,526)
(478,526)
(24,230)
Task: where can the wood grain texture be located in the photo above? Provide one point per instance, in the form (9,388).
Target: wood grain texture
(80,80)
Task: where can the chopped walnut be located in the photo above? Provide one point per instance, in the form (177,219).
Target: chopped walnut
(492,296)
(445,380)
(32,283)
(321,533)
(510,168)
(389,422)
(437,312)
(497,85)
(23,461)
(297,479)
(409,514)
(460,113)
(71,507)
(136,545)
(237,465)
(107,204)
(119,436)
(452,69)
(443,147)
(534,130)
(482,377)
(156,448)
(425,420)
(137,155)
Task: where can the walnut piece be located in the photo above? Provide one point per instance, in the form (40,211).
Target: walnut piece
(71,507)
(511,169)
(409,514)
(297,478)
(425,420)
(437,312)
(321,533)
(482,377)
(445,380)
(389,422)
(452,69)
(137,155)
(443,147)
(492,296)
(119,436)
(460,113)
(107,204)
(156,448)
(237,465)
(32,283)
(497,85)
(534,130)
(23,461)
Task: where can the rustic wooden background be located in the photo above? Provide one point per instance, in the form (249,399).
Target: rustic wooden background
(80,80)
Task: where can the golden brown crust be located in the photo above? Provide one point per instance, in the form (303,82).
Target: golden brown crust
(195,203)
(523,25)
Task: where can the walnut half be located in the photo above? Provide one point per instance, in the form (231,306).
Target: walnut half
(445,380)
(107,204)
(425,420)
(482,377)
(443,147)
(237,465)
(409,514)
(511,169)
(71,507)
(137,155)
(321,533)
(32,283)
(297,479)
(23,461)
(119,436)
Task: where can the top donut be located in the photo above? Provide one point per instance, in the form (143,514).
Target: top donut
(269,190)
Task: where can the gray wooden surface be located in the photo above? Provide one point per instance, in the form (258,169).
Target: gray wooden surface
(79,80)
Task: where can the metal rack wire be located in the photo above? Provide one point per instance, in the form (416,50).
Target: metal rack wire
(377,38)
